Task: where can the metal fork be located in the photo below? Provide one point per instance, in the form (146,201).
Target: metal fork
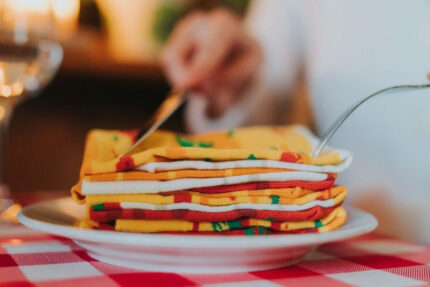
(327,136)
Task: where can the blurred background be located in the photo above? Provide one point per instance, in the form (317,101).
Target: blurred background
(109,78)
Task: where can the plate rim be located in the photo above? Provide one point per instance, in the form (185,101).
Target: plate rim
(193,241)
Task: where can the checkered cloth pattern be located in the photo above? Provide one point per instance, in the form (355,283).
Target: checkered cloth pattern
(30,258)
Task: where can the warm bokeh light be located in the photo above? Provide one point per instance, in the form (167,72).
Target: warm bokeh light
(66,13)
(37,6)
(16,88)
(36,12)
(4,88)
(65,8)
(7,90)
(2,78)
(129,28)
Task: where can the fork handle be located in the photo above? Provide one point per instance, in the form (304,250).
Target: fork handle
(327,136)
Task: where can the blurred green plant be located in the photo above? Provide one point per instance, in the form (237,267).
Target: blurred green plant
(169,13)
(165,19)
(238,6)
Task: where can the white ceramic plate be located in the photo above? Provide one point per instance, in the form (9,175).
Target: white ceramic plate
(186,253)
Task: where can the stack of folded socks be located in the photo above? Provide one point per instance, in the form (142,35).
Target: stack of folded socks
(249,181)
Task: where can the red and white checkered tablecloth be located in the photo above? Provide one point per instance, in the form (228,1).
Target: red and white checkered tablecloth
(30,258)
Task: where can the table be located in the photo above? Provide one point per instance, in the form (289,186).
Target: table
(31,258)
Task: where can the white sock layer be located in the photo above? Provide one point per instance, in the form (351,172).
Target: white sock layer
(224,208)
(153,186)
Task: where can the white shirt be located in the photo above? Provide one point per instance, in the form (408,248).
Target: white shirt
(350,49)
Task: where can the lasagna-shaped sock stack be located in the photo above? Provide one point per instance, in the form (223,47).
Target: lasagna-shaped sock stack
(249,181)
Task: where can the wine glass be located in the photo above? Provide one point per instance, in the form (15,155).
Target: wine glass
(29,58)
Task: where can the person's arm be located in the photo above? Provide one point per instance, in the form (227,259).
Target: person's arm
(256,106)
(276,26)
(218,59)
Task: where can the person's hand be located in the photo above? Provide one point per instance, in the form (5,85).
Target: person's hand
(212,55)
